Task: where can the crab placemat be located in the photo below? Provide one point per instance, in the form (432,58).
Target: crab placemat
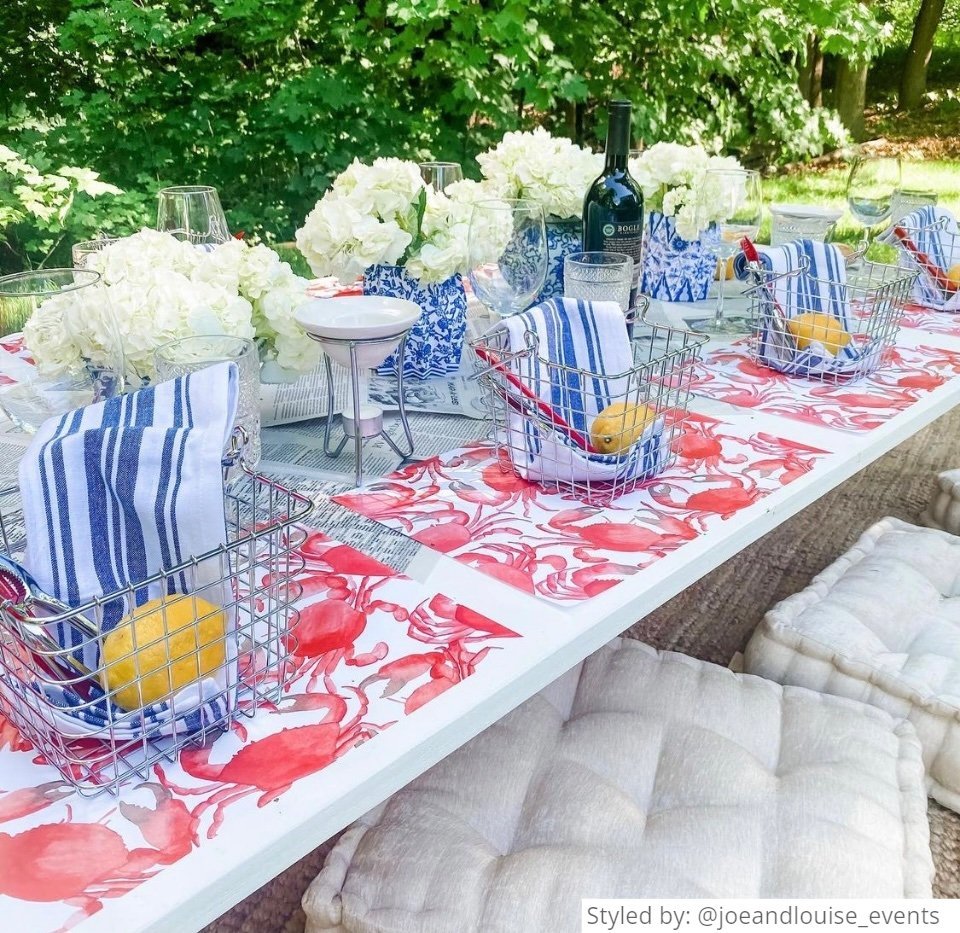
(374,646)
(465,504)
(917,317)
(730,375)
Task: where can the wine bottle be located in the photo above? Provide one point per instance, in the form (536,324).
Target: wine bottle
(613,206)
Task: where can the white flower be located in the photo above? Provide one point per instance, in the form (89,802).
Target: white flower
(156,289)
(674,180)
(553,171)
(384,214)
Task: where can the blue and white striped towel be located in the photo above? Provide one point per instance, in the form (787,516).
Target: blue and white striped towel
(113,493)
(935,233)
(819,288)
(582,335)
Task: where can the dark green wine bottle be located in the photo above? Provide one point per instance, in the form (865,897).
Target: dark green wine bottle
(613,206)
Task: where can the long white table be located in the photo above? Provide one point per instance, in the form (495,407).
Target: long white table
(245,853)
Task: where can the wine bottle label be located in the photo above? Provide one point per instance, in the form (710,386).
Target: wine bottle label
(625,238)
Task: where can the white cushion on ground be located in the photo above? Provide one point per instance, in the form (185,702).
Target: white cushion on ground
(640,774)
(943,510)
(881,625)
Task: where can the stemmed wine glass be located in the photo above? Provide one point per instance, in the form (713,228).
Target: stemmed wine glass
(507,249)
(870,188)
(734,196)
(438,175)
(193,213)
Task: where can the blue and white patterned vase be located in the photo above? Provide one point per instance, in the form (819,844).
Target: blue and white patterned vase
(563,237)
(675,269)
(435,343)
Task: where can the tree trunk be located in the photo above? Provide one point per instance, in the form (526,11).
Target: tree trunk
(850,97)
(913,81)
(811,72)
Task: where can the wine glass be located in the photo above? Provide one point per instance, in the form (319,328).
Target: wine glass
(192,213)
(870,188)
(734,199)
(507,249)
(438,175)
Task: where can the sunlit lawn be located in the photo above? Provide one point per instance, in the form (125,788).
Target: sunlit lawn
(828,187)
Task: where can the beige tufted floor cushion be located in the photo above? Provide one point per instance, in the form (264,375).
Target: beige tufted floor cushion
(881,625)
(645,775)
(943,510)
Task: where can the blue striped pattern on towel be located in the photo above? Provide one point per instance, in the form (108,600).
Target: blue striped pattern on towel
(115,492)
(588,336)
(935,233)
(819,288)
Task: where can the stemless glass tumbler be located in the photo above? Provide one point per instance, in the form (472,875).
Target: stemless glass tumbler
(79,354)
(599,276)
(507,249)
(193,213)
(190,354)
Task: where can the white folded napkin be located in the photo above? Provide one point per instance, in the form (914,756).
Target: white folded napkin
(114,492)
(935,233)
(591,339)
(821,288)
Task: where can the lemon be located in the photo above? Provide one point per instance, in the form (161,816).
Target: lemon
(817,326)
(727,270)
(160,647)
(953,275)
(619,425)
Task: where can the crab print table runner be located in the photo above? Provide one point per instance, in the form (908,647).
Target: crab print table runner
(467,505)
(373,647)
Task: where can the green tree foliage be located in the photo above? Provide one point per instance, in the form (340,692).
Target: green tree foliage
(268,99)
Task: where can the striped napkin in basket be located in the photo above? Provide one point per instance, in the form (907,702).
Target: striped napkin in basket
(591,339)
(819,288)
(933,231)
(113,493)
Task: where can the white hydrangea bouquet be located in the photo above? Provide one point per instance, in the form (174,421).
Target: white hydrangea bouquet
(679,260)
(555,173)
(383,223)
(551,170)
(160,289)
(672,176)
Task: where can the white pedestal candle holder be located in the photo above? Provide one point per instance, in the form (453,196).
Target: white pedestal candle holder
(359,333)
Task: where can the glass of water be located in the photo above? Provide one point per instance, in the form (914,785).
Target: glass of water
(190,354)
(870,188)
(599,276)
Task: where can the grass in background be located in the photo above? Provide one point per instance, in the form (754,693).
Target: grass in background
(829,186)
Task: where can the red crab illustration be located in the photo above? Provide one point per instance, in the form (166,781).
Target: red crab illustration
(81,864)
(271,765)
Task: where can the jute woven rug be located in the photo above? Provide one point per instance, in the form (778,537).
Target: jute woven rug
(714,618)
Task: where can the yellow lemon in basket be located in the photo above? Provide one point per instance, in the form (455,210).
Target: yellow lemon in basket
(953,275)
(727,272)
(160,647)
(619,425)
(817,326)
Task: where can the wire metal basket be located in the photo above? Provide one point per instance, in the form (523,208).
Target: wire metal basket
(614,432)
(824,329)
(933,251)
(103,708)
